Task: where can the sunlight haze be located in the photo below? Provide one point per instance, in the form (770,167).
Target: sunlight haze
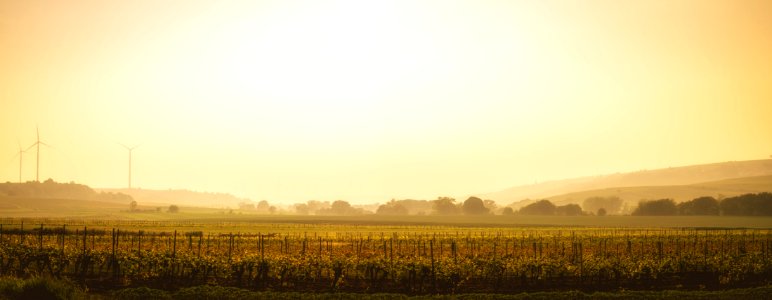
(367,101)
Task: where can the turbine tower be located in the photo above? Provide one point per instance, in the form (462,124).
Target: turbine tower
(37,160)
(130,150)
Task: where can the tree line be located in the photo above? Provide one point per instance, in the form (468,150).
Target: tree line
(743,205)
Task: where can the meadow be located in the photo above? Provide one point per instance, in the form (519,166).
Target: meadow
(426,255)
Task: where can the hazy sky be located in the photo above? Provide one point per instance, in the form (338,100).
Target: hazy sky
(366,101)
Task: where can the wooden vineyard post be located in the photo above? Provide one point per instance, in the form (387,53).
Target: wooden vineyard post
(174,244)
(200,238)
(230,246)
(453,250)
(391,258)
(431,257)
(40,238)
(112,236)
(84,240)
(208,241)
(262,248)
(64,231)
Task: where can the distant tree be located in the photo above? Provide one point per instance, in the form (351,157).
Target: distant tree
(173,208)
(133,205)
(611,204)
(314,206)
(601,211)
(748,205)
(662,207)
(158,209)
(445,206)
(301,209)
(415,207)
(272,209)
(263,206)
(700,206)
(247,205)
(474,206)
(507,211)
(392,208)
(541,207)
(568,210)
(340,207)
(490,205)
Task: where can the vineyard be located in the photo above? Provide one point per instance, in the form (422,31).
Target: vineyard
(447,260)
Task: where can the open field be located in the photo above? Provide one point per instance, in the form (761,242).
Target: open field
(251,223)
(359,256)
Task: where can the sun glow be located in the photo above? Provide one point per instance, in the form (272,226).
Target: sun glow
(368,101)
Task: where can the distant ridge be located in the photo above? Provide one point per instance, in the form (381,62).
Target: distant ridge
(632,195)
(685,175)
(180,197)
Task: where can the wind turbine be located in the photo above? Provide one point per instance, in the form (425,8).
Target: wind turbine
(130,150)
(37,161)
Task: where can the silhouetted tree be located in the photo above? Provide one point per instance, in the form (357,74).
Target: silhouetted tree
(445,206)
(662,207)
(699,206)
(315,206)
(541,207)
(507,211)
(340,207)
(416,207)
(490,205)
(247,206)
(474,206)
(173,208)
(568,210)
(392,208)
(133,205)
(748,205)
(301,209)
(611,204)
(601,211)
(263,206)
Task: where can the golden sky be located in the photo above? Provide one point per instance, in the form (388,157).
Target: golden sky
(371,100)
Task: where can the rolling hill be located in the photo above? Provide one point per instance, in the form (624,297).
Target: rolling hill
(686,175)
(180,197)
(679,193)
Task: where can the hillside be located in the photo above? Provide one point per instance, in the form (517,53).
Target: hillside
(180,197)
(686,175)
(679,193)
